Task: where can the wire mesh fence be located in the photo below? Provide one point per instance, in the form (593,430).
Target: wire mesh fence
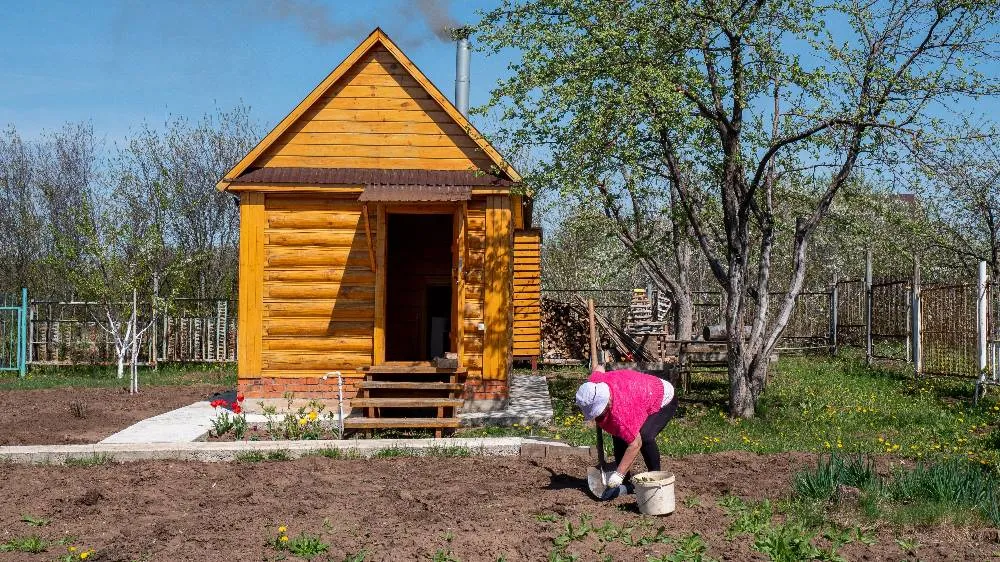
(948,330)
(11,332)
(890,319)
(993,331)
(808,327)
(851,324)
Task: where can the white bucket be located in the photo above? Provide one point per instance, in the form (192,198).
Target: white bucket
(654,492)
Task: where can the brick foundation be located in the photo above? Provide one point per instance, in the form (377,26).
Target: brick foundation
(309,388)
(478,389)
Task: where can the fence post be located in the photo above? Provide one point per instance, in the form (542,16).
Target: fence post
(868,307)
(22,341)
(918,360)
(834,301)
(981,318)
(153,355)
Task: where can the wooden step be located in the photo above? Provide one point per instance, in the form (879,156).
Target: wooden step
(407,402)
(412,370)
(399,423)
(396,385)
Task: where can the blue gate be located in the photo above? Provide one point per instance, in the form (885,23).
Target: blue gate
(14,332)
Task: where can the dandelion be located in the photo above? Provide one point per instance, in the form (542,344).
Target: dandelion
(284,538)
(282,529)
(303,421)
(85,555)
(312,415)
(71,549)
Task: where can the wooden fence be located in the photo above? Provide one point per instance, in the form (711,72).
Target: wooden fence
(187,330)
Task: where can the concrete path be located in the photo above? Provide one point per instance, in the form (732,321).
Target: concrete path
(235,450)
(183,425)
(529,404)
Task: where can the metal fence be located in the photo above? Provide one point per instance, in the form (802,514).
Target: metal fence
(890,319)
(851,320)
(13,314)
(948,330)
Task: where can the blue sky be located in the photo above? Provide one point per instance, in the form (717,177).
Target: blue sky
(120,63)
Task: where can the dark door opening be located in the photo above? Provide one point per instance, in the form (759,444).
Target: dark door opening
(418,287)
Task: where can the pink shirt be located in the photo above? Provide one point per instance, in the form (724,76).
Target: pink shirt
(634,396)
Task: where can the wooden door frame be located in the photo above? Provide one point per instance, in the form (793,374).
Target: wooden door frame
(383,210)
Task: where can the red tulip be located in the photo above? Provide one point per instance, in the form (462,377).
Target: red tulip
(240,397)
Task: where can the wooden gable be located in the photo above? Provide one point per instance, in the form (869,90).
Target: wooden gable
(375,110)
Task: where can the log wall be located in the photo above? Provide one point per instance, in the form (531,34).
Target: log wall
(318,295)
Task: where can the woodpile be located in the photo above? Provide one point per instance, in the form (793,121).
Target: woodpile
(565,333)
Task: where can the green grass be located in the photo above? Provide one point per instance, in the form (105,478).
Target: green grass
(106,376)
(954,490)
(32,545)
(812,404)
(262,456)
(96,459)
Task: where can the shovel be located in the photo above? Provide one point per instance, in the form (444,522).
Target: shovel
(597,478)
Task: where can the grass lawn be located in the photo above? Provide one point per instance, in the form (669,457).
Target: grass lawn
(812,404)
(172,374)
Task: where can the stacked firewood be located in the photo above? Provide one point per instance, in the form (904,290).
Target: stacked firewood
(565,331)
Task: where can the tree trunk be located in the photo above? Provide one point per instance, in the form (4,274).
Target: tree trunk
(683,315)
(742,402)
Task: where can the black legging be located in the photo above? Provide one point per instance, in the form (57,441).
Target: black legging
(652,427)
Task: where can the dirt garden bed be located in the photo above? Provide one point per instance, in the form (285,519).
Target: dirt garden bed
(400,508)
(85,415)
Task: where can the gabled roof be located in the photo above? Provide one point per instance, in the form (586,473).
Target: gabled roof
(376,38)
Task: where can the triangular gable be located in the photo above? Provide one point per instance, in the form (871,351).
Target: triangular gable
(377,49)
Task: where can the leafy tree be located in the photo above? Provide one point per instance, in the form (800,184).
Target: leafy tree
(728,104)
(963,193)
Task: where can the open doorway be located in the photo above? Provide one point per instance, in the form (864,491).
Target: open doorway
(418,287)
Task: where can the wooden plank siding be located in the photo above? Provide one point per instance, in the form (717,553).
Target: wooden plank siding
(376,116)
(527,293)
(251,283)
(318,287)
(497,277)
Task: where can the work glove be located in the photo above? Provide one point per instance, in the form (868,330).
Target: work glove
(615,479)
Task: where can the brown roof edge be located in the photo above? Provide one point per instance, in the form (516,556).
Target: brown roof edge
(372,176)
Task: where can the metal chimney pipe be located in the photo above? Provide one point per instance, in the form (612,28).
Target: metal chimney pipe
(462,75)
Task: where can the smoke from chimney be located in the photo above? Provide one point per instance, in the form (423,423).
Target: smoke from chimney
(316,20)
(435,13)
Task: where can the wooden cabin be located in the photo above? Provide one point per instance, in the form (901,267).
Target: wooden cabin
(378,231)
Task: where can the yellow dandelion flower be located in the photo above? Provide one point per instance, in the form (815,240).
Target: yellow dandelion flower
(282,529)
(313,415)
(84,555)
(826,444)
(71,549)
(303,421)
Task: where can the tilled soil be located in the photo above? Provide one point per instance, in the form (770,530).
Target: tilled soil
(85,415)
(398,509)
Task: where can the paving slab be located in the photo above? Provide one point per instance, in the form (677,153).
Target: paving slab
(529,404)
(222,451)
